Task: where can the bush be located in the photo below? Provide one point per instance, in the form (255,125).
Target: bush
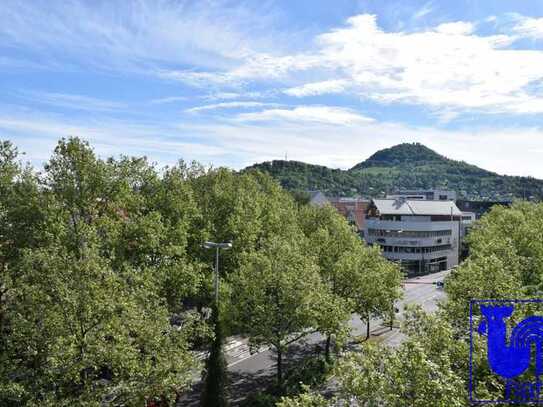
(260,399)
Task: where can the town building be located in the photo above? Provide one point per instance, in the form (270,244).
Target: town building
(422,235)
(353,209)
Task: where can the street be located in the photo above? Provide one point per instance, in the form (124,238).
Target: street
(249,371)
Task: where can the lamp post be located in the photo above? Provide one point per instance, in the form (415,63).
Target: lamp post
(392,308)
(217,247)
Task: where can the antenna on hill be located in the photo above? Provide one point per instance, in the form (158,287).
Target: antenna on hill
(286,157)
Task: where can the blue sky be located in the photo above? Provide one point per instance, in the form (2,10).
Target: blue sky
(233,83)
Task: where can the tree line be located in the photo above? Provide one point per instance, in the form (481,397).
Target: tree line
(105,287)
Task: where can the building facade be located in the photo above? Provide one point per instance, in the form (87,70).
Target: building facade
(424,194)
(422,235)
(353,209)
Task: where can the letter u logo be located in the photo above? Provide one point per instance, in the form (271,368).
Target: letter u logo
(510,358)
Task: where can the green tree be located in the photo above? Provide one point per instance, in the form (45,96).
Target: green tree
(371,282)
(421,371)
(215,380)
(330,238)
(305,399)
(505,261)
(81,334)
(94,262)
(275,294)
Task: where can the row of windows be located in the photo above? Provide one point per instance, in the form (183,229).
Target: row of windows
(408,233)
(417,218)
(402,249)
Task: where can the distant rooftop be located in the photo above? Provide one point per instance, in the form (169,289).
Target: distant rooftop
(416,207)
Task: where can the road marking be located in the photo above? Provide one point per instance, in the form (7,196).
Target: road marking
(264,349)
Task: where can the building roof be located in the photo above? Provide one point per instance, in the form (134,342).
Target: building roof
(343,199)
(317,198)
(415,207)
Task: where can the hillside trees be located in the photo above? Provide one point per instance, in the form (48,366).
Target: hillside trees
(404,166)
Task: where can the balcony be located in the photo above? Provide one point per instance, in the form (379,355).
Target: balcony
(408,225)
(410,241)
(419,256)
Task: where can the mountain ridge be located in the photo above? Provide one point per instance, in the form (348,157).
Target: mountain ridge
(403,166)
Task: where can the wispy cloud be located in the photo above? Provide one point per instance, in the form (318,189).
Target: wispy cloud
(136,35)
(448,66)
(169,99)
(230,105)
(37,134)
(72,101)
(423,11)
(318,88)
(261,94)
(317,114)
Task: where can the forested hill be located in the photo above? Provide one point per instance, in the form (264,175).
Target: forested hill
(404,166)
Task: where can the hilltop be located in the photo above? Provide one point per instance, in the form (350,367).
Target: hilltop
(404,166)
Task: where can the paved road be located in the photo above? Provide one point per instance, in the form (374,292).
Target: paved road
(419,290)
(248,371)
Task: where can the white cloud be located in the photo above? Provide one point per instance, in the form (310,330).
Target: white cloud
(446,67)
(230,105)
(317,114)
(318,88)
(261,94)
(201,79)
(225,49)
(456,28)
(529,27)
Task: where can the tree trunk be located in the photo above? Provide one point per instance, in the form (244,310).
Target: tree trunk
(280,369)
(368,327)
(327,349)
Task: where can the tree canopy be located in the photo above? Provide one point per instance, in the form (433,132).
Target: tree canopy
(105,283)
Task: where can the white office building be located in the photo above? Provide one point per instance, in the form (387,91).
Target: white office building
(423,235)
(425,194)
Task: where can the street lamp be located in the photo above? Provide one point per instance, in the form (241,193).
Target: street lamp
(392,308)
(217,247)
